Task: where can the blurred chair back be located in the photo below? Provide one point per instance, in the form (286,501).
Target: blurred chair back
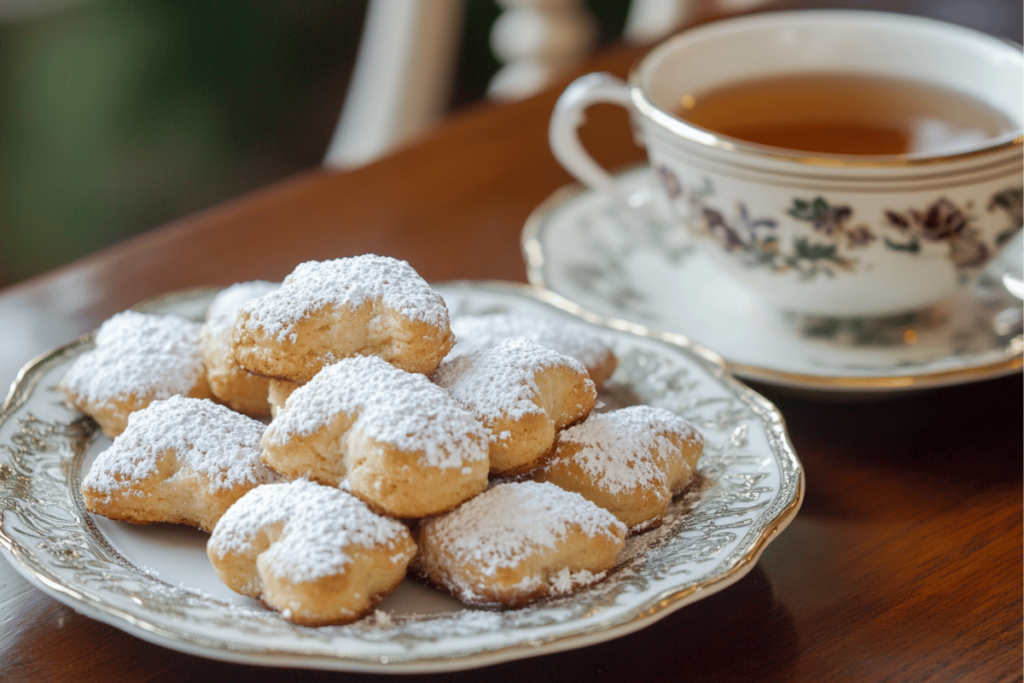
(407,55)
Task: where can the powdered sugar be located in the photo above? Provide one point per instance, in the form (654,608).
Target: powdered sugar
(348,283)
(475,332)
(499,382)
(220,316)
(202,437)
(616,447)
(565,582)
(139,355)
(500,526)
(395,407)
(310,526)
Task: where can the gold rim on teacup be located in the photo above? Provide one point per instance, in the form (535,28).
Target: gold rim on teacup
(1010,141)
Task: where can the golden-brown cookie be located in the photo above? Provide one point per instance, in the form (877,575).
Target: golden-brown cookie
(181,460)
(516,543)
(231,384)
(523,394)
(475,332)
(403,444)
(328,310)
(139,358)
(629,461)
(316,554)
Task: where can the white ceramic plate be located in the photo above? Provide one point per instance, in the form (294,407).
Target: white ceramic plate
(156,583)
(640,268)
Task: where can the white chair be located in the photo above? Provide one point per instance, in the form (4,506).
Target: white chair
(408,50)
(401,80)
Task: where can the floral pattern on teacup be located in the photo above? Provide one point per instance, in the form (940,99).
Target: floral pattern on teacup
(942,221)
(754,241)
(831,221)
(1010,200)
(834,232)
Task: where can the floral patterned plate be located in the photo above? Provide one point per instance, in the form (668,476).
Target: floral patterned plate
(636,266)
(156,583)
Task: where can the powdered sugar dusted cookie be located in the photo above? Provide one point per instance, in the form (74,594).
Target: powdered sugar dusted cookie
(230,383)
(475,332)
(139,358)
(328,310)
(181,460)
(518,542)
(404,445)
(316,554)
(629,461)
(523,394)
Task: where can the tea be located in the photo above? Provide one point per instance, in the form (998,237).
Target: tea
(849,114)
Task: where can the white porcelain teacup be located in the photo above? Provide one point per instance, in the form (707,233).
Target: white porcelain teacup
(823,234)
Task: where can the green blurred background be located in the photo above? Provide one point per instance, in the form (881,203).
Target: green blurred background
(120,115)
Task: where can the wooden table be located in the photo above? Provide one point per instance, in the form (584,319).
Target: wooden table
(905,563)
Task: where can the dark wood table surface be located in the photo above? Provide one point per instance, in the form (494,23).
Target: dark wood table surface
(904,564)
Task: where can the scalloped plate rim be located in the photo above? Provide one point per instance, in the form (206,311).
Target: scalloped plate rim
(666,603)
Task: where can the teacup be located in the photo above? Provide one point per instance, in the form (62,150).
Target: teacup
(819,233)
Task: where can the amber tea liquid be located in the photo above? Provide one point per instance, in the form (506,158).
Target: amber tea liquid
(847,114)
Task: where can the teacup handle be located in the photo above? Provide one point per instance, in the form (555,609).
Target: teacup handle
(569,115)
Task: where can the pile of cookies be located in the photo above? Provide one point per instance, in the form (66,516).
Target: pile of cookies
(332,436)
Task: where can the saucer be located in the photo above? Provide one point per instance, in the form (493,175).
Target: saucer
(637,267)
